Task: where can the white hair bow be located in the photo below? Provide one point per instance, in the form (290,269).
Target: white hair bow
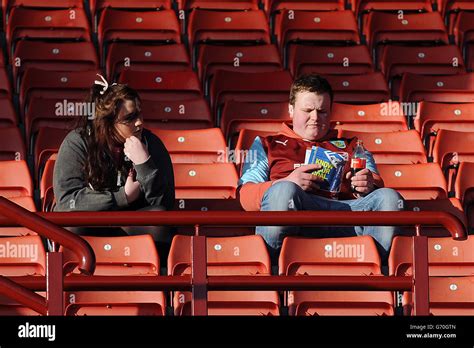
(103,83)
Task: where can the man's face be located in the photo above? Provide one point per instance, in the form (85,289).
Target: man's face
(129,122)
(310,115)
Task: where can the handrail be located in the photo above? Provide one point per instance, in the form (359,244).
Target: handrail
(222,283)
(38,223)
(23,295)
(226,218)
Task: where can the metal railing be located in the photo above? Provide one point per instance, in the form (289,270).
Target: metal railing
(46,224)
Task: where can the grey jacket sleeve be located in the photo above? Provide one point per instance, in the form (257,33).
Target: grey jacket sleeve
(71,190)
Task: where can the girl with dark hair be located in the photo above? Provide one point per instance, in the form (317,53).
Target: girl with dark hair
(110,162)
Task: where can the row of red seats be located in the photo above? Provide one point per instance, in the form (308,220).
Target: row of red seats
(247,255)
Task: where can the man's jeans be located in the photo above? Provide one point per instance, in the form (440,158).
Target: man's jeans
(287,196)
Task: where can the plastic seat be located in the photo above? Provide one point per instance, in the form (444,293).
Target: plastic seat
(126,56)
(12,146)
(260,58)
(243,144)
(448,296)
(448,89)
(451,146)
(431,117)
(361,89)
(446,257)
(15,179)
(97,6)
(464,189)
(330,27)
(386,28)
(383,117)
(194,146)
(177,114)
(218,4)
(132,26)
(452,8)
(163,85)
(27,203)
(391,147)
(199,180)
(272,6)
(334,256)
(464,29)
(47,143)
(245,255)
(23,256)
(249,87)
(237,116)
(5,89)
(119,256)
(326,60)
(51,24)
(229,27)
(7,5)
(43,113)
(469,57)
(438,60)
(8,116)
(415,181)
(46,184)
(449,205)
(37,83)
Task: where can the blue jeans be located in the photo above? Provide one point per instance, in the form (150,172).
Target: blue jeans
(287,196)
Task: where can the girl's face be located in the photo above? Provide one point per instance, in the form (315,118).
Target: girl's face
(129,122)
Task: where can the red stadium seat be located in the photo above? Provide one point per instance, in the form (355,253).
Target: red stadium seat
(245,140)
(431,117)
(237,116)
(23,255)
(387,28)
(230,27)
(58,56)
(97,6)
(198,180)
(8,117)
(382,117)
(194,146)
(452,8)
(7,5)
(46,185)
(177,114)
(119,256)
(464,188)
(126,56)
(64,24)
(207,204)
(362,89)
(326,60)
(438,60)
(260,58)
(334,256)
(15,179)
(5,88)
(448,296)
(12,146)
(46,144)
(415,181)
(272,6)
(464,29)
(249,87)
(119,25)
(322,27)
(27,203)
(448,89)
(469,58)
(403,147)
(245,255)
(218,4)
(446,257)
(46,113)
(38,83)
(163,85)
(453,147)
